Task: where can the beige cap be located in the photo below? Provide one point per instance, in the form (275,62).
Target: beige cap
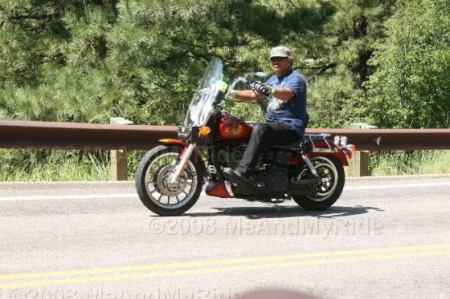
(281,51)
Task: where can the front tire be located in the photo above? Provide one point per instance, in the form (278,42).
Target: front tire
(152,181)
(327,192)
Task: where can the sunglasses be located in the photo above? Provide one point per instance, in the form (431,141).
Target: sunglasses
(277,59)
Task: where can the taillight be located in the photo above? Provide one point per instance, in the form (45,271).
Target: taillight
(349,149)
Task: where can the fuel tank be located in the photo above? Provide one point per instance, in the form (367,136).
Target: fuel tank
(233,128)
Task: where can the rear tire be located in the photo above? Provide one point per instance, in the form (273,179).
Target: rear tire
(152,181)
(328,192)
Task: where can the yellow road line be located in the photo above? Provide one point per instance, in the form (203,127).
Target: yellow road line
(235,265)
(222,262)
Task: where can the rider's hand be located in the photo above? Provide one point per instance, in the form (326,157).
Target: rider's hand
(263,89)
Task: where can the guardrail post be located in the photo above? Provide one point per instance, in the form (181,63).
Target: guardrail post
(119,158)
(361,164)
(361,158)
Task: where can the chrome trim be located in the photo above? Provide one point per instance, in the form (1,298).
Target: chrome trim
(228,188)
(312,143)
(212,169)
(309,164)
(182,164)
(340,140)
(327,143)
(233,85)
(324,150)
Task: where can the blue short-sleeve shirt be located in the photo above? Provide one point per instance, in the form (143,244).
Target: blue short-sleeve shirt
(291,111)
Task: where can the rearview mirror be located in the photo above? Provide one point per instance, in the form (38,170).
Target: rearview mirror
(260,74)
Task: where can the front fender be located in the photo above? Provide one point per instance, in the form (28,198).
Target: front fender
(173,141)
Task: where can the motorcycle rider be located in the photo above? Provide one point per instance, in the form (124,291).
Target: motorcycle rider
(286,115)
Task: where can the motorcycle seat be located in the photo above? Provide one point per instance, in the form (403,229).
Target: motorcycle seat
(294,146)
(298,144)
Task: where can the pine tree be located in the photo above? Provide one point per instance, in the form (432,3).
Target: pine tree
(410,87)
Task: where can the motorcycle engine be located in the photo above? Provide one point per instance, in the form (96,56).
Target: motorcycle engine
(268,182)
(272,182)
(229,157)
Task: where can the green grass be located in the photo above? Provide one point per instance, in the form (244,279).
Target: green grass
(410,163)
(55,165)
(63,165)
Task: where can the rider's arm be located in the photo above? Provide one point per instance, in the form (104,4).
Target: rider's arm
(294,85)
(245,95)
(281,93)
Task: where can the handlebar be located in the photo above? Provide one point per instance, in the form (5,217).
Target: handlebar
(238,80)
(251,83)
(233,85)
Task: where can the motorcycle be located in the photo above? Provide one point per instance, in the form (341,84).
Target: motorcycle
(171,176)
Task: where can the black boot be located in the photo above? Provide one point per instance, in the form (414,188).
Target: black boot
(233,175)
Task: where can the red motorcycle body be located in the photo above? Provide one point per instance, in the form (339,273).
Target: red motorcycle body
(233,128)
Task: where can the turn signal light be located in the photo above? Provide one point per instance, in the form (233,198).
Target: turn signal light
(204,131)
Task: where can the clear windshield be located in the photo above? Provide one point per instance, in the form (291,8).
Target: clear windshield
(202,103)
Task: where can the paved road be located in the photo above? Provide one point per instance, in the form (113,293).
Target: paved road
(385,237)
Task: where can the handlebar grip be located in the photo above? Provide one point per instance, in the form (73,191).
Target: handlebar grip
(251,83)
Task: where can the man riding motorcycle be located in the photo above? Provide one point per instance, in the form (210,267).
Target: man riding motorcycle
(309,170)
(286,116)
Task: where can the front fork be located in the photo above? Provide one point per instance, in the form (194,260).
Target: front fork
(185,156)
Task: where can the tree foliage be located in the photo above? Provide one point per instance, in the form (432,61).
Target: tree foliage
(381,61)
(411,85)
(384,61)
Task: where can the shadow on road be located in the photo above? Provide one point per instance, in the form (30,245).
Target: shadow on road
(275,294)
(284,212)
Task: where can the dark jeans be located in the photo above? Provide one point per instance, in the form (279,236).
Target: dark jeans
(263,135)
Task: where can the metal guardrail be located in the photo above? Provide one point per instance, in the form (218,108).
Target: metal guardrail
(38,134)
(393,139)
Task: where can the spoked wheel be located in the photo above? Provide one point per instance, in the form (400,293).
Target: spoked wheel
(332,176)
(155,190)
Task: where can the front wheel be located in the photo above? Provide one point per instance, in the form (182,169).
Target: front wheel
(331,171)
(153,186)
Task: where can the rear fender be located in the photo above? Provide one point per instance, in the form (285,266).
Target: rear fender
(322,148)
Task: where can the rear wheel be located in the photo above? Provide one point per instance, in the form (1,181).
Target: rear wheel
(153,185)
(331,171)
